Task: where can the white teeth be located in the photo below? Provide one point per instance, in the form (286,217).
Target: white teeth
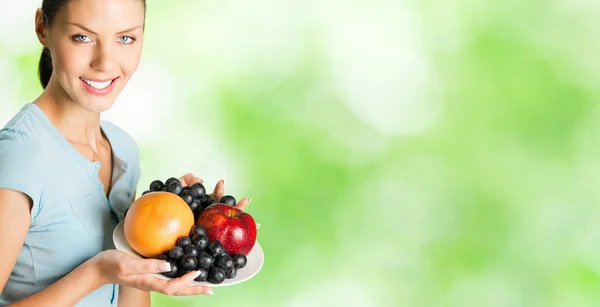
(98,85)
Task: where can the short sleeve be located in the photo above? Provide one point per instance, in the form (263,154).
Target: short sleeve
(19,156)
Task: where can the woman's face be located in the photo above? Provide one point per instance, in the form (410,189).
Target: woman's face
(96,46)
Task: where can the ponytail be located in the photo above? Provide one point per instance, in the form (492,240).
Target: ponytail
(45,67)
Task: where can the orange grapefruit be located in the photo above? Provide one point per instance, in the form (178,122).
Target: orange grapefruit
(155,221)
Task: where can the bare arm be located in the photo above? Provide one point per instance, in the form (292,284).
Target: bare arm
(133,297)
(107,267)
(15,219)
(80,282)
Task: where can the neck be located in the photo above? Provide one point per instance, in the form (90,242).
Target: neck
(78,125)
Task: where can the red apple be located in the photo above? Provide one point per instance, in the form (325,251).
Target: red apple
(234,228)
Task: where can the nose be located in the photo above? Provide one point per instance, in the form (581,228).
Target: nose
(104,58)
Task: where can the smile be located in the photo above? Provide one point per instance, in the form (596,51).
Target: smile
(99,87)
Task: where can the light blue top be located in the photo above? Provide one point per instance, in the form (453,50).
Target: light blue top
(71,220)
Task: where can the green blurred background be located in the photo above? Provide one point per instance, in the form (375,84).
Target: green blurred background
(398,153)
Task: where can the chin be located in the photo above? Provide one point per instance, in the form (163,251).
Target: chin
(98,101)
(97,105)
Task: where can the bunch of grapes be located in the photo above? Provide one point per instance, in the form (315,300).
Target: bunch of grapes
(196,252)
(195,196)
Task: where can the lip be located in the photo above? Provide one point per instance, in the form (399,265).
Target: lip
(97,92)
(97,80)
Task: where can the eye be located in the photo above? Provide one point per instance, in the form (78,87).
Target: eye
(82,38)
(126,40)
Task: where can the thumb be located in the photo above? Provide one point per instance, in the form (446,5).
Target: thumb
(219,190)
(148,266)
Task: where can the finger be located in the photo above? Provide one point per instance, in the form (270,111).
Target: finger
(177,286)
(144,266)
(171,287)
(189,179)
(194,290)
(219,190)
(148,282)
(185,178)
(242,203)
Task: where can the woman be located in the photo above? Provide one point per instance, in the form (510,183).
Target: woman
(66,177)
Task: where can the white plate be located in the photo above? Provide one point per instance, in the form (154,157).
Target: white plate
(255,261)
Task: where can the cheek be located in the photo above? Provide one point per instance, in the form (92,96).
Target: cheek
(130,60)
(68,61)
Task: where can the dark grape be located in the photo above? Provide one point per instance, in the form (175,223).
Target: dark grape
(184,241)
(186,188)
(194,206)
(230,274)
(204,198)
(198,189)
(146,192)
(205,261)
(203,275)
(156,185)
(215,248)
(186,196)
(224,262)
(214,243)
(171,180)
(239,260)
(197,230)
(201,241)
(163,257)
(210,201)
(174,270)
(216,275)
(191,250)
(175,187)
(228,199)
(224,252)
(176,253)
(189,262)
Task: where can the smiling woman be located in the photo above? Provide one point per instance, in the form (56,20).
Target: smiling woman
(66,177)
(84,54)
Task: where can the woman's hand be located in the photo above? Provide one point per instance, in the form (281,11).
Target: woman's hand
(117,267)
(219,191)
(189,179)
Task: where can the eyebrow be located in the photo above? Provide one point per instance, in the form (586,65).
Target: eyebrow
(88,30)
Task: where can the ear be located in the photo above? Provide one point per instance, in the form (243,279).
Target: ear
(40,27)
